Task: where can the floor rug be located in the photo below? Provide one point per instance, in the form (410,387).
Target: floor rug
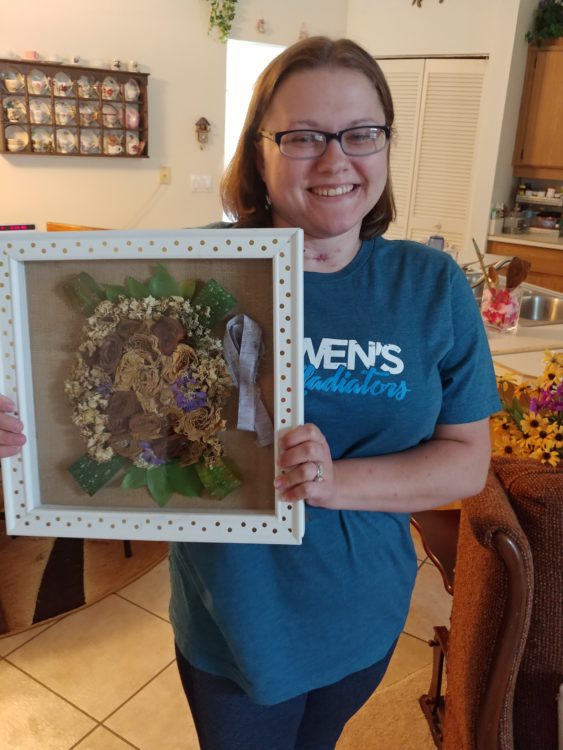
(44,578)
(392,718)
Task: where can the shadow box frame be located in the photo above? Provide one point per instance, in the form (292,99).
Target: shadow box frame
(37,355)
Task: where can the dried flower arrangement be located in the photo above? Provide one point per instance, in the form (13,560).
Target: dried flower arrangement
(530,424)
(149,385)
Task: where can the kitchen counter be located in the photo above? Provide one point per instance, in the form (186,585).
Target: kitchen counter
(533,339)
(530,240)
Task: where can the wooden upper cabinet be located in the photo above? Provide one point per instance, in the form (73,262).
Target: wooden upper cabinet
(538,151)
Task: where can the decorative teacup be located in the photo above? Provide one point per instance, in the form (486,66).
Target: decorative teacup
(38,114)
(12,85)
(37,86)
(87,117)
(14,114)
(41,144)
(114,148)
(15,144)
(61,88)
(133,145)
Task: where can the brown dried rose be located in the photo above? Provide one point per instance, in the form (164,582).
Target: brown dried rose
(130,364)
(127,327)
(169,332)
(166,397)
(147,426)
(201,423)
(121,406)
(168,446)
(124,444)
(183,358)
(147,381)
(109,352)
(145,342)
(191,454)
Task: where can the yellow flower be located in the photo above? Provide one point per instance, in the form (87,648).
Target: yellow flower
(556,434)
(505,445)
(546,454)
(532,424)
(507,381)
(553,358)
(523,389)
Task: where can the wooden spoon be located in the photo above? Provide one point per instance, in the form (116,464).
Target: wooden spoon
(516,272)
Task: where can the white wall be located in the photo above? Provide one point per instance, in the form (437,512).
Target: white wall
(169,38)
(187,80)
(494,28)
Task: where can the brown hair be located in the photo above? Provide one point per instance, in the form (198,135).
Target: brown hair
(243,191)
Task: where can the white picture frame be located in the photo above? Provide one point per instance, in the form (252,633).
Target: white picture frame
(37,354)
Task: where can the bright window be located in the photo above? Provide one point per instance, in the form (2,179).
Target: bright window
(245,62)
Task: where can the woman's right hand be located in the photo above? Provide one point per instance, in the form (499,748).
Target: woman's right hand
(11,429)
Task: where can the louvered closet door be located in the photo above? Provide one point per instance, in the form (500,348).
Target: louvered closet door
(444,146)
(405,78)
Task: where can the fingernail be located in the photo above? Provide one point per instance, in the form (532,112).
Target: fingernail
(278,483)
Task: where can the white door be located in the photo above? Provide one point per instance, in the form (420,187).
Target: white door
(437,103)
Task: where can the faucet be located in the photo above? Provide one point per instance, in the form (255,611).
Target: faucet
(466,267)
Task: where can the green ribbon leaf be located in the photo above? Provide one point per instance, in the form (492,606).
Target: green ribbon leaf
(162,284)
(183,479)
(136,289)
(92,475)
(114,291)
(157,482)
(83,293)
(219,479)
(213,296)
(135,478)
(187,288)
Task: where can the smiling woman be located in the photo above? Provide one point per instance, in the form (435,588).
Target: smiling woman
(278,646)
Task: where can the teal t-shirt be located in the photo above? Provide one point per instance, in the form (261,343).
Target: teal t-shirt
(394,345)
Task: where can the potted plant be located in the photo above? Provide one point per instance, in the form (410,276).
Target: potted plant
(221,17)
(548,22)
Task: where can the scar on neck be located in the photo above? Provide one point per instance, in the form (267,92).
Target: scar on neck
(321,257)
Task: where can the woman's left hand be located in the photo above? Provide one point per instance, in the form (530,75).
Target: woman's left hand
(307,468)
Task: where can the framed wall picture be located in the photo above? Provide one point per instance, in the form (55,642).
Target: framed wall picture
(153,371)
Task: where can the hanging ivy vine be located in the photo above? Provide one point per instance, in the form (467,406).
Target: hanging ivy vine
(221,17)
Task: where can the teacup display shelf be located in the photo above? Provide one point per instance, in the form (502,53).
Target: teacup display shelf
(69,110)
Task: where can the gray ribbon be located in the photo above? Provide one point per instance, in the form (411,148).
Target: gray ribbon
(243,348)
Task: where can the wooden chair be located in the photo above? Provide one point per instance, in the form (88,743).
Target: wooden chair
(438,530)
(505,652)
(490,620)
(490,617)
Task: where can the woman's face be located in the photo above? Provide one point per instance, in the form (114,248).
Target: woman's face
(330,195)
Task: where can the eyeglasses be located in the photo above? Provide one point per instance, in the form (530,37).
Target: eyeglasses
(310,144)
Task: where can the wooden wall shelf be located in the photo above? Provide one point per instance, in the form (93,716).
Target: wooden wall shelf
(69,110)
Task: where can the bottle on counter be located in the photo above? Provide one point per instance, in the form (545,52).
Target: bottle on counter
(496,223)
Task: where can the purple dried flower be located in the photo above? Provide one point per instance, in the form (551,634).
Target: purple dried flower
(149,455)
(186,397)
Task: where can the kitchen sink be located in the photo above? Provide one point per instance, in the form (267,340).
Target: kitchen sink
(540,309)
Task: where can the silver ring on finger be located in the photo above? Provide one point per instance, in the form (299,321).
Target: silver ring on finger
(319,477)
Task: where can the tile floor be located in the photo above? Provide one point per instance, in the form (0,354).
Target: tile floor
(104,678)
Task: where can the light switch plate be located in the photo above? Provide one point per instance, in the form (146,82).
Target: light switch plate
(201,183)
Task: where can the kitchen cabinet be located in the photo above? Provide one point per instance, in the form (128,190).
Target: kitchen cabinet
(547,263)
(538,149)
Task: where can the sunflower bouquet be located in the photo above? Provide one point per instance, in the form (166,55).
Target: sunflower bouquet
(530,424)
(149,385)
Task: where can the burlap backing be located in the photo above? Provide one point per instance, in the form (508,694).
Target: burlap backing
(55,332)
